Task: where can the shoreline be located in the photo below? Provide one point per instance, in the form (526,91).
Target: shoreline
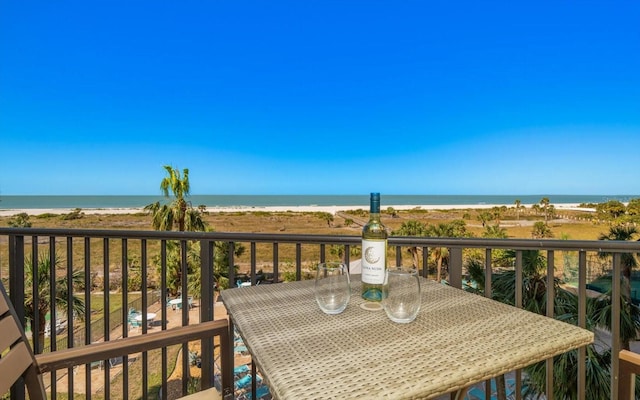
(330,209)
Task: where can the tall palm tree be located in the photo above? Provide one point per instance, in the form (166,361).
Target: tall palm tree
(518,204)
(43,270)
(545,207)
(412,228)
(180,211)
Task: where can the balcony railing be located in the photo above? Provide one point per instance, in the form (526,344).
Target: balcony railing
(122,263)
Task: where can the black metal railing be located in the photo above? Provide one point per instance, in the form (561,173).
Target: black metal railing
(164,257)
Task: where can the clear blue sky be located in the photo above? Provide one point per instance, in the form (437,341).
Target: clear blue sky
(320,97)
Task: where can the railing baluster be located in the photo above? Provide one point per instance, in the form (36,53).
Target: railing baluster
(163,289)
(455,267)
(488,273)
(124,250)
(35,292)
(87,304)
(616,299)
(16,291)
(70,316)
(275,263)
(298,261)
(253,263)
(206,311)
(107,311)
(185,311)
(425,262)
(582,322)
(143,290)
(52,308)
(551,294)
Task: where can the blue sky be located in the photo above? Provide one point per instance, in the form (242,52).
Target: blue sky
(320,97)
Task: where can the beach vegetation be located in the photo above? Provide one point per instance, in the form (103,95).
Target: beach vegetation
(40,272)
(518,207)
(20,221)
(76,213)
(453,229)
(412,228)
(484,217)
(541,230)
(495,231)
(633,207)
(611,209)
(325,216)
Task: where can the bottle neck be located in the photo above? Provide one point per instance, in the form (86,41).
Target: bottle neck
(374,212)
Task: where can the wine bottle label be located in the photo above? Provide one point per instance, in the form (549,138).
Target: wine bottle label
(374,255)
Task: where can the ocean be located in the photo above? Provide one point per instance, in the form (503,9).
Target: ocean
(126,201)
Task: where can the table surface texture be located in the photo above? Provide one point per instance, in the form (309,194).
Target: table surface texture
(458,339)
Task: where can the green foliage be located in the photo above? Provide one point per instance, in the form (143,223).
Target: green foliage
(611,209)
(179,212)
(494,231)
(358,213)
(633,208)
(325,216)
(20,221)
(484,217)
(410,228)
(75,214)
(541,230)
(598,313)
(41,271)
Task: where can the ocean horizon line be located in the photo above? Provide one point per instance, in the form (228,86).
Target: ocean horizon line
(9,202)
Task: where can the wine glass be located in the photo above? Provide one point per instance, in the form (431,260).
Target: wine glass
(401,299)
(333,287)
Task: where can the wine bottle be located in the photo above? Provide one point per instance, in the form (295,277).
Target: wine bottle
(374,252)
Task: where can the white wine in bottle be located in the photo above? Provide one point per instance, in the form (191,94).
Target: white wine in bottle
(374,252)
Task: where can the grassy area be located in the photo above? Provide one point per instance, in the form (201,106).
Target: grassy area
(295,223)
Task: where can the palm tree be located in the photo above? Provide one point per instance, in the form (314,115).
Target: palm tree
(412,228)
(455,228)
(545,207)
(43,270)
(541,230)
(494,231)
(518,204)
(179,212)
(534,293)
(628,261)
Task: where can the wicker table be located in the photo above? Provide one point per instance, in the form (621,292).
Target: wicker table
(457,340)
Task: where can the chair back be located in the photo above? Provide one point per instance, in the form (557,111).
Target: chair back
(17,359)
(629,368)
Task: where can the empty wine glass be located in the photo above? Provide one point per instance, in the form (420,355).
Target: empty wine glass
(401,299)
(333,287)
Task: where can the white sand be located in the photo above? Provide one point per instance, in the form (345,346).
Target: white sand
(329,209)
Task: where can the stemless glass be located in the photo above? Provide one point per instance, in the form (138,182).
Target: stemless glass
(333,287)
(401,299)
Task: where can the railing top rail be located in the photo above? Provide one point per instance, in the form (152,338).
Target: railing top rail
(613,246)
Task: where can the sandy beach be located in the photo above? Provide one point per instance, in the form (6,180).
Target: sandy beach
(329,209)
